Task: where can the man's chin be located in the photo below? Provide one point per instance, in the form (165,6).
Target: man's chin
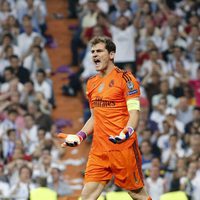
(98,68)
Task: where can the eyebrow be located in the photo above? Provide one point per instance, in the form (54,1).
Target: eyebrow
(97,50)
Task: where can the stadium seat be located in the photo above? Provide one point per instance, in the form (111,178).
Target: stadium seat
(118,196)
(179,195)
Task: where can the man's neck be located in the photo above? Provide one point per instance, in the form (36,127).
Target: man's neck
(107,71)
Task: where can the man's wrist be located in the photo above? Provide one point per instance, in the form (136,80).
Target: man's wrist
(82,135)
(130,131)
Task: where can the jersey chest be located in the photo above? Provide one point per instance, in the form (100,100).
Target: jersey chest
(108,91)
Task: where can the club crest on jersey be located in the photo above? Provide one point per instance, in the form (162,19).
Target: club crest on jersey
(100,89)
(111,84)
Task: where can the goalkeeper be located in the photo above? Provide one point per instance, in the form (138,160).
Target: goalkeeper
(113,96)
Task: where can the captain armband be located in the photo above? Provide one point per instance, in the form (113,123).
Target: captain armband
(133,104)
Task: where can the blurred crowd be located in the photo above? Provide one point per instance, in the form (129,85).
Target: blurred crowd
(29,151)
(159,42)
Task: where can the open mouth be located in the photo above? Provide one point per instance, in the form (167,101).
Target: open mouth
(97,61)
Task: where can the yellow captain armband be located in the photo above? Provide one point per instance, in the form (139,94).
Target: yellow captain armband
(133,104)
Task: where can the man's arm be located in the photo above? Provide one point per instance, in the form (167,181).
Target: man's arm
(133,121)
(133,106)
(73,140)
(89,125)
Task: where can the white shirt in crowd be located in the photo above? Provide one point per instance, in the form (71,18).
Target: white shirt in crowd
(25,41)
(155,188)
(195,182)
(3,63)
(4,189)
(147,67)
(30,138)
(193,70)
(45,88)
(173,157)
(23,190)
(125,43)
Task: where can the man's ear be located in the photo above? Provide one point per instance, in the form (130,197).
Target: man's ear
(112,55)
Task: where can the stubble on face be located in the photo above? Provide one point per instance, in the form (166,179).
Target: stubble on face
(101,57)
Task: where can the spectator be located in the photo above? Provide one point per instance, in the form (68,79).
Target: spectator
(195,65)
(36,61)
(190,183)
(124,36)
(193,125)
(4,62)
(21,72)
(7,40)
(154,64)
(11,81)
(177,174)
(193,153)
(29,134)
(147,155)
(88,19)
(195,84)
(41,119)
(102,21)
(28,93)
(184,111)
(178,57)
(156,185)
(8,123)
(58,184)
(121,8)
(176,126)
(158,114)
(189,94)
(36,12)
(171,154)
(149,32)
(43,192)
(4,189)
(25,39)
(5,11)
(42,85)
(22,188)
(43,103)
(151,80)
(12,26)
(163,139)
(3,176)
(164,91)
(43,167)
(192,37)
(9,144)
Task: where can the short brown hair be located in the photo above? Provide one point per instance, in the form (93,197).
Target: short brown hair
(109,44)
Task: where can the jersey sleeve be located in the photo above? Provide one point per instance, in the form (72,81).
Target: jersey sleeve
(130,86)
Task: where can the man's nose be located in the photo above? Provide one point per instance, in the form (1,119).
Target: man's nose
(94,55)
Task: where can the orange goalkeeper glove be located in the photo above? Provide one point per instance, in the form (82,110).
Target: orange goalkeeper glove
(72,140)
(124,135)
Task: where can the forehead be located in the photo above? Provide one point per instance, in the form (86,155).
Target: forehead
(98,46)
